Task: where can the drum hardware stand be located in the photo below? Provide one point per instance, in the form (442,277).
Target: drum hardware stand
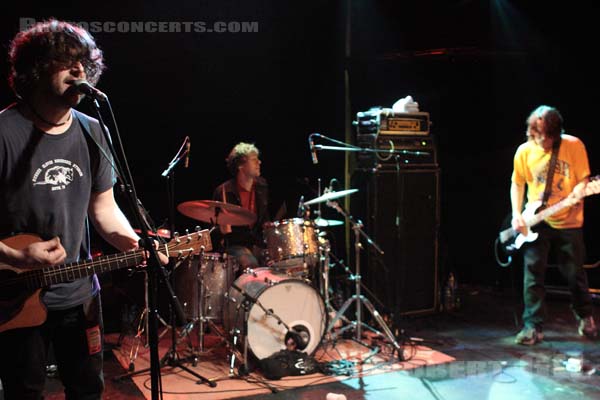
(243,369)
(360,299)
(352,278)
(142,329)
(324,285)
(171,357)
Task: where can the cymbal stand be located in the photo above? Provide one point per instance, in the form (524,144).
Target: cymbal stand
(360,299)
(142,329)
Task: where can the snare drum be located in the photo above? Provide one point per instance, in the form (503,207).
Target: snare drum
(292,242)
(294,301)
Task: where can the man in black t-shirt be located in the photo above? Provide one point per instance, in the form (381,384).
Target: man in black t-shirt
(52,177)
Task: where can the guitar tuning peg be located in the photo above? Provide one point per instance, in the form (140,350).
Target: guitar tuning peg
(197,228)
(176,237)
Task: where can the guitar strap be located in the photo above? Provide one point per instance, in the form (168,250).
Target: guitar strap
(551,168)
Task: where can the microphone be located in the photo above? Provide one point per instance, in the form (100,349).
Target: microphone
(86,88)
(187,153)
(313,151)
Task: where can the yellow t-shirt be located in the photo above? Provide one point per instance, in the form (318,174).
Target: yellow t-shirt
(531,167)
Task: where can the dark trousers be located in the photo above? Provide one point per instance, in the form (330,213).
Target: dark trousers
(568,248)
(74,334)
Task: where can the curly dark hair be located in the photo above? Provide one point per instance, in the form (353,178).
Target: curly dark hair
(35,52)
(238,155)
(552,118)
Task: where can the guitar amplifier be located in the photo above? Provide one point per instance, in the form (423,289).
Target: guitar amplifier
(406,134)
(385,121)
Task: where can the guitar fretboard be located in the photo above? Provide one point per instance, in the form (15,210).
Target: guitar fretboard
(35,279)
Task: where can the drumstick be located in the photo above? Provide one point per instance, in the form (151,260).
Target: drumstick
(224,228)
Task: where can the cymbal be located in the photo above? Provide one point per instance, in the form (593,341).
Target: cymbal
(322,222)
(216,211)
(330,196)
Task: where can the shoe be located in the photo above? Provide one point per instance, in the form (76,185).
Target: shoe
(529,336)
(587,327)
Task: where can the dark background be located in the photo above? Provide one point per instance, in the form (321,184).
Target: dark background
(497,61)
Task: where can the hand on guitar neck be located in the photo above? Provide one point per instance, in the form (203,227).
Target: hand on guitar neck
(34,255)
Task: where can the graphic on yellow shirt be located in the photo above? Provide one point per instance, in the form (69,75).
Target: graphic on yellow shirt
(531,164)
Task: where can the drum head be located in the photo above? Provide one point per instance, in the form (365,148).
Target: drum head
(295,303)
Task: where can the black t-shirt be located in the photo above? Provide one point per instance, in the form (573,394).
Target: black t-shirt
(45,186)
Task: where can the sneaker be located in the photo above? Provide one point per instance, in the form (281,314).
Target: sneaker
(529,336)
(587,327)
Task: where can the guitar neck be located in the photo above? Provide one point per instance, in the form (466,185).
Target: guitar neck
(68,272)
(547,212)
(591,189)
(178,247)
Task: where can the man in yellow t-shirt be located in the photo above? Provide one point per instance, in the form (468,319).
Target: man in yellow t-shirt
(561,232)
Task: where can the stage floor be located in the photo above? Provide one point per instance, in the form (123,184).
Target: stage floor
(475,358)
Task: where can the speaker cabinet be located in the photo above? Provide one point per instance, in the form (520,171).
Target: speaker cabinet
(402,217)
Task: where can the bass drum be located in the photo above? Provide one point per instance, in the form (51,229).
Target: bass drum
(295,302)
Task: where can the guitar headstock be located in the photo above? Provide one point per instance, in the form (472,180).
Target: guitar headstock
(191,243)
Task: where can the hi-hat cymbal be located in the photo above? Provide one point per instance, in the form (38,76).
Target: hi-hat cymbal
(322,222)
(217,212)
(330,196)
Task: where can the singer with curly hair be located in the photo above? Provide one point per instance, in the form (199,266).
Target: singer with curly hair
(53,180)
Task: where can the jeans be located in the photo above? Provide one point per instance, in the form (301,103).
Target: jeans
(568,246)
(76,335)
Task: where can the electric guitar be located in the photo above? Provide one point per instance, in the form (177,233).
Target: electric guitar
(533,214)
(21,288)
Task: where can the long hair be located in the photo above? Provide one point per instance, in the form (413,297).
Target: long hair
(36,52)
(238,155)
(552,118)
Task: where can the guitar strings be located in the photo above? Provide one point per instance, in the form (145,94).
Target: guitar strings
(53,271)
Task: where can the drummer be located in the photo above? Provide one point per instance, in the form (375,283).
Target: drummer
(250,191)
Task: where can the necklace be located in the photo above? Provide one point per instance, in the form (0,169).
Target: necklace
(44,120)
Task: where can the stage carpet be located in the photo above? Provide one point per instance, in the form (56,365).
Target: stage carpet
(350,357)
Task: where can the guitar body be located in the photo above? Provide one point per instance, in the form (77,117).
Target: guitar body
(21,288)
(512,240)
(19,307)
(534,213)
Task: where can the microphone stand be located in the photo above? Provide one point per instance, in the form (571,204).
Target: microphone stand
(154,265)
(171,358)
(120,165)
(248,299)
(351,148)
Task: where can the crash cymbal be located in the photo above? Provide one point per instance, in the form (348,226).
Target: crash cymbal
(330,196)
(322,222)
(215,211)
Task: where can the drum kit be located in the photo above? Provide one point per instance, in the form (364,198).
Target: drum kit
(259,306)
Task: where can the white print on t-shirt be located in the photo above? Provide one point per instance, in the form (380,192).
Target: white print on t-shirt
(57,172)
